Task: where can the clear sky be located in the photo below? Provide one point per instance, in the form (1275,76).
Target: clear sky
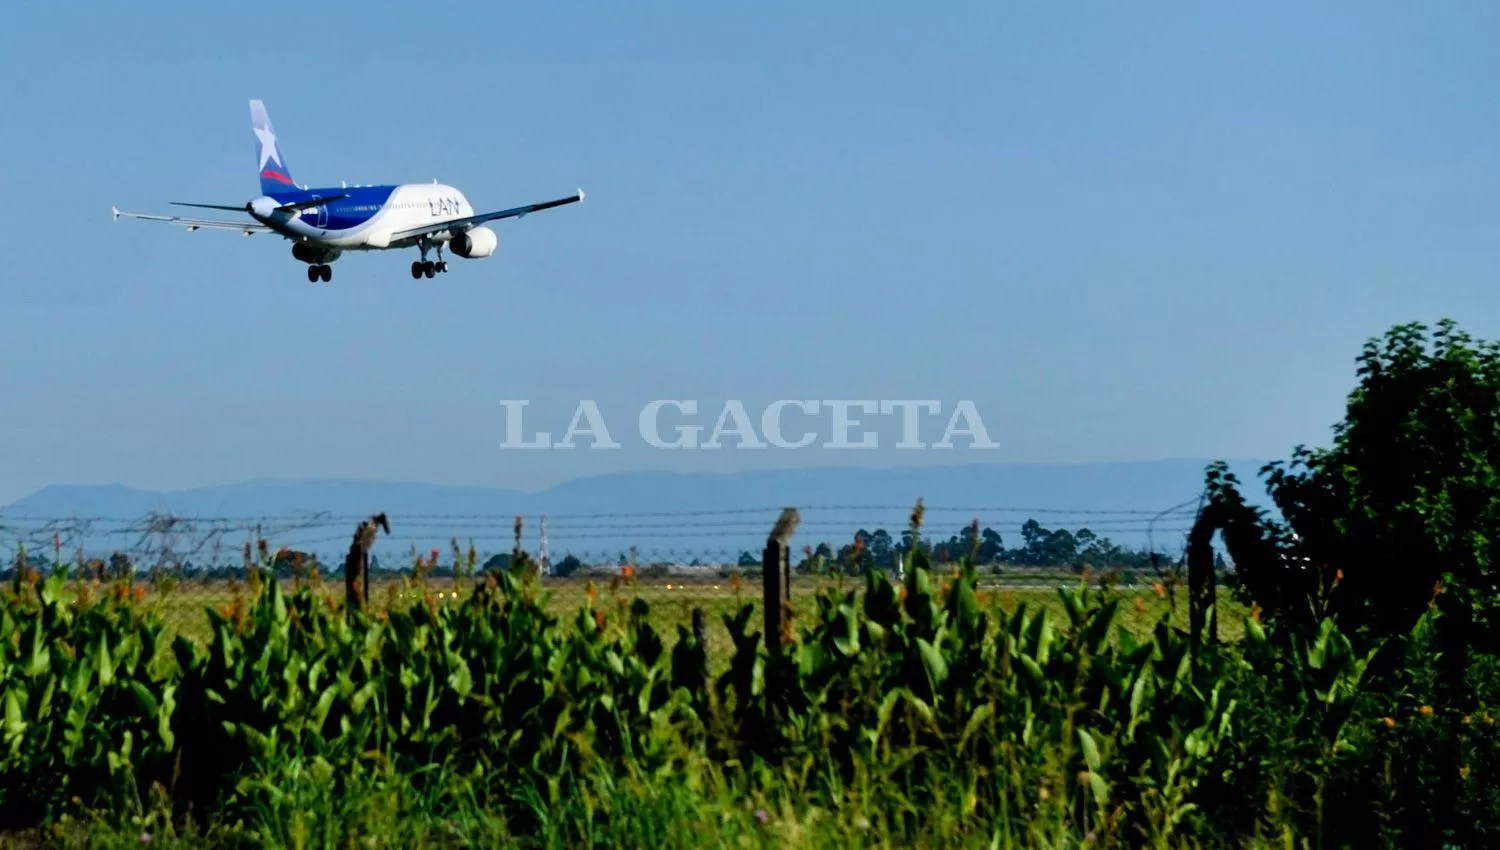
(1123,232)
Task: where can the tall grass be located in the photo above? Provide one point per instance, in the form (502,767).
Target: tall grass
(920,714)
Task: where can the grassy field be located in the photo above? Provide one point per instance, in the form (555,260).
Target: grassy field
(673,600)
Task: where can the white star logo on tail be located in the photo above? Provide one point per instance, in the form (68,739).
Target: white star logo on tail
(267,146)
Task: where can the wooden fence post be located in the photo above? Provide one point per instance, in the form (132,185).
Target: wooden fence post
(357,563)
(776,579)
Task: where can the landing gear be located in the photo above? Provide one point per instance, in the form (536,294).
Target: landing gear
(321,272)
(425,267)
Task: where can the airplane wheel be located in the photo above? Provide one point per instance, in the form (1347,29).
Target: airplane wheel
(416,270)
(442,266)
(312,274)
(429,268)
(326,273)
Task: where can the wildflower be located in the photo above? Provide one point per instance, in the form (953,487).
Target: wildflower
(1463,772)
(761,817)
(861,822)
(1140,605)
(1339,576)
(145,838)
(1160,591)
(599,618)
(1468,720)
(1255,612)
(1426,711)
(1390,722)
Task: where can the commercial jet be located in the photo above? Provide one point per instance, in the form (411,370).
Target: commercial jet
(323,223)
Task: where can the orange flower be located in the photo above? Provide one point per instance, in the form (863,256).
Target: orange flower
(1390,722)
(1255,611)
(1463,772)
(1159,590)
(1339,576)
(1426,711)
(1140,605)
(599,618)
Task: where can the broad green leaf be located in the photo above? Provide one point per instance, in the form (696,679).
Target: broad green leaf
(935,664)
(980,715)
(1090,749)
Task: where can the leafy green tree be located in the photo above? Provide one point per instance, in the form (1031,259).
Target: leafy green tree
(991,547)
(882,549)
(1405,502)
(567,566)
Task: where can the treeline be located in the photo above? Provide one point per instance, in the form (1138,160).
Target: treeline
(868,551)
(1039,547)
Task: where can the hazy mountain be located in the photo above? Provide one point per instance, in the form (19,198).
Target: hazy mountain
(667,515)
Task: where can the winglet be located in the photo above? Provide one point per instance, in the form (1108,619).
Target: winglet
(580,194)
(116,211)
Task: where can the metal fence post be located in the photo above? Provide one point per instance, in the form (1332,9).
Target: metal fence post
(776,579)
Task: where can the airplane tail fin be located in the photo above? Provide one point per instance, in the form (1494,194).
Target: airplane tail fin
(274,174)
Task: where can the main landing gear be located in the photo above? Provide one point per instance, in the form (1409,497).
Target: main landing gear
(427,268)
(323,272)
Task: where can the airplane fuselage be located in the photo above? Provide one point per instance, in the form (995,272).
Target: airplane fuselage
(367,218)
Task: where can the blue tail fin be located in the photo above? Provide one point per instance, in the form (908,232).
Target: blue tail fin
(274,175)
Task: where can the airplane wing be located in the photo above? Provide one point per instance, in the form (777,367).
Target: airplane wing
(461,224)
(248,227)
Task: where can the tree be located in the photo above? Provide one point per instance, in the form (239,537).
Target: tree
(1406,500)
(567,566)
(990,546)
(882,549)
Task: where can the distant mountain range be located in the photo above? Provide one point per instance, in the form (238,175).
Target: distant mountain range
(668,516)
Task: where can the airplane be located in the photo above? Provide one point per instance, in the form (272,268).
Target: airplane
(323,223)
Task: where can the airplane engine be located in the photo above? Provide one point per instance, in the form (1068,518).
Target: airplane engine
(313,254)
(475,243)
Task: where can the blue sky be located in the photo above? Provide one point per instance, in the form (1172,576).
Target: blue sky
(1124,233)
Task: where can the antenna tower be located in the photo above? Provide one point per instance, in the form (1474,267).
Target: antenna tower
(542,555)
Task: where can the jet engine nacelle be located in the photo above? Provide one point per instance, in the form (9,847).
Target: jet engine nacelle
(475,243)
(314,254)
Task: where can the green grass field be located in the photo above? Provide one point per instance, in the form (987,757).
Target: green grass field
(673,600)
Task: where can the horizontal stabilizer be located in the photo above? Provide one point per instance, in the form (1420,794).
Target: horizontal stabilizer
(237,208)
(306,205)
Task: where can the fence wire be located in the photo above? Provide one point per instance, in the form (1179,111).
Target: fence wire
(676,560)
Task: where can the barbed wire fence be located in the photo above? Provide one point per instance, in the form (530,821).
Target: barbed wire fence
(680,556)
